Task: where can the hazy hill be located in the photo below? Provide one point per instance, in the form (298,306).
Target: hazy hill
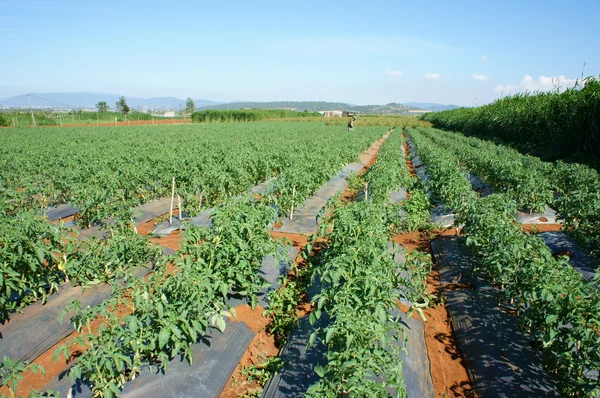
(316,106)
(432,106)
(89,100)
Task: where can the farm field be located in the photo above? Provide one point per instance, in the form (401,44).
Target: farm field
(344,219)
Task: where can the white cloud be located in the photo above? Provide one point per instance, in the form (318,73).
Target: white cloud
(393,73)
(484,58)
(483,78)
(431,76)
(542,83)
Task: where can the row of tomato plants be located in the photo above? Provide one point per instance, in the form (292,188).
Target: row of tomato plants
(361,284)
(570,188)
(105,172)
(557,307)
(36,256)
(169,311)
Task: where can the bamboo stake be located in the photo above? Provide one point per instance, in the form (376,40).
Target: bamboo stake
(367,190)
(134,227)
(292,209)
(200,202)
(172,198)
(180,209)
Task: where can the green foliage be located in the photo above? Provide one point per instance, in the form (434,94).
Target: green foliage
(43,118)
(417,209)
(105,177)
(260,373)
(556,305)
(105,173)
(578,201)
(565,122)
(190,105)
(572,189)
(284,301)
(172,310)
(31,261)
(11,374)
(247,115)
(122,106)
(449,181)
(361,284)
(102,106)
(5,120)
(103,260)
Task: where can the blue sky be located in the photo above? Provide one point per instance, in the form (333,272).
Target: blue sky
(367,52)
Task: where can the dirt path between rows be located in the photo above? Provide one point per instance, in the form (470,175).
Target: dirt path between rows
(448,370)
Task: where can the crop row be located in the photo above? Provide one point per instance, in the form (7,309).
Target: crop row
(149,321)
(106,172)
(556,305)
(36,256)
(361,286)
(171,310)
(570,188)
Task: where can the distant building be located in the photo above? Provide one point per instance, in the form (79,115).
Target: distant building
(349,113)
(331,113)
(416,112)
(169,114)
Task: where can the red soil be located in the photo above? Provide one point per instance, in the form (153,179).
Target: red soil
(448,372)
(261,348)
(541,227)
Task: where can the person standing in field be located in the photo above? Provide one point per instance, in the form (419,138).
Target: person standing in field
(351,123)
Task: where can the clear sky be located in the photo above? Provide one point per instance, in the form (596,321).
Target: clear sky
(367,52)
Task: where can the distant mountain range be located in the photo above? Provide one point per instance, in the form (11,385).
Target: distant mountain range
(432,106)
(89,100)
(316,106)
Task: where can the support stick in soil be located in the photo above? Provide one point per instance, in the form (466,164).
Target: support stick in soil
(172,198)
(292,209)
(180,209)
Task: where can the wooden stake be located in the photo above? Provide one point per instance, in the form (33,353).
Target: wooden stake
(367,190)
(96,120)
(180,209)
(200,201)
(134,227)
(115,121)
(172,198)
(292,209)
